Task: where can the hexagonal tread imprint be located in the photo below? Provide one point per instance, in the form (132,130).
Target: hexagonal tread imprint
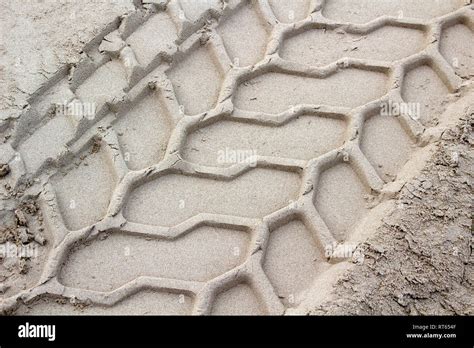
(200,255)
(357,11)
(173,199)
(202,156)
(319,47)
(278,92)
(221,143)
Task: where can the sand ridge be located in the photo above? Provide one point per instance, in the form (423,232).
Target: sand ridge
(152,182)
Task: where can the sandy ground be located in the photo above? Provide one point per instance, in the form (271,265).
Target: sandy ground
(236,157)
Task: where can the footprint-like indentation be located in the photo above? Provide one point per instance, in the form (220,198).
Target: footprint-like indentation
(317,47)
(173,198)
(145,302)
(158,34)
(386,145)
(340,199)
(196,81)
(290,11)
(49,141)
(305,137)
(104,84)
(193,9)
(199,255)
(457,46)
(239,300)
(84,192)
(143,132)
(292,261)
(361,11)
(278,92)
(241,28)
(424,89)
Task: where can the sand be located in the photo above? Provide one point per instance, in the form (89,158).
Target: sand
(221,157)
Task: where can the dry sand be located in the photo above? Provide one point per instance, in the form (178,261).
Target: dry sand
(227,157)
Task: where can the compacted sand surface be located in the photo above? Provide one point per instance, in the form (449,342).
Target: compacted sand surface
(237,157)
